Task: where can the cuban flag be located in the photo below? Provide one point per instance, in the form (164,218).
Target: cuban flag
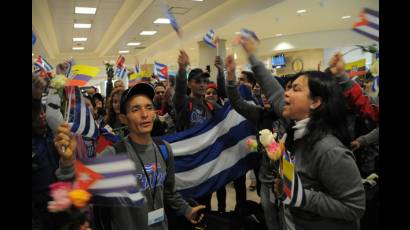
(369,24)
(213,153)
(136,68)
(209,38)
(33,38)
(249,34)
(375,85)
(110,179)
(161,70)
(120,71)
(171,17)
(81,120)
(42,67)
(105,139)
(292,185)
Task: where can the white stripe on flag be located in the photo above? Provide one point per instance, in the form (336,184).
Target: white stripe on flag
(226,159)
(369,30)
(114,182)
(300,193)
(195,144)
(372,19)
(83,114)
(112,167)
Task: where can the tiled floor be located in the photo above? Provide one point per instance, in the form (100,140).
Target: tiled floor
(230,196)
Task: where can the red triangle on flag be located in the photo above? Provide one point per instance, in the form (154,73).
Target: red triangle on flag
(164,71)
(363,20)
(84,176)
(102,143)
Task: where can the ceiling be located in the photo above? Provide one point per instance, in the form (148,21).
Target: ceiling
(118,22)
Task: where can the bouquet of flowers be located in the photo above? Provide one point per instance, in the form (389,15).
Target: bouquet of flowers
(71,199)
(269,143)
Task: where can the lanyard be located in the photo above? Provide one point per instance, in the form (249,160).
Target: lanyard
(145,171)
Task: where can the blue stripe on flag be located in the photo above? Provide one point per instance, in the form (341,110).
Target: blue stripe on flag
(220,158)
(371,36)
(221,179)
(185,163)
(371,12)
(200,128)
(76,109)
(209,37)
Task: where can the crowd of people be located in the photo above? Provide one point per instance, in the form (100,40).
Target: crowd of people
(330,123)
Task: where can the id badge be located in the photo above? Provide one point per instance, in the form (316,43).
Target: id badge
(156,216)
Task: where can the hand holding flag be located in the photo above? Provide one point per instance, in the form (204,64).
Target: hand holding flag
(65,144)
(183,60)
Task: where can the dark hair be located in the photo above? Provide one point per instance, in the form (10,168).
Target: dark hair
(159,84)
(250,77)
(331,116)
(89,98)
(110,114)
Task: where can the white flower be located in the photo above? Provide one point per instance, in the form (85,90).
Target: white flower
(266,137)
(58,82)
(374,68)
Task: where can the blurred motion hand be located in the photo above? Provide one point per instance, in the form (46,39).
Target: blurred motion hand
(65,143)
(183,60)
(337,64)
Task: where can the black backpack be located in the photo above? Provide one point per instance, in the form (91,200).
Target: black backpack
(183,119)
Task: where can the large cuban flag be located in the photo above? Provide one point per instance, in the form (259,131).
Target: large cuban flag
(212,154)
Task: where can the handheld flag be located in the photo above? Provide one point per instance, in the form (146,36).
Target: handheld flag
(110,179)
(292,185)
(82,74)
(213,153)
(161,70)
(81,120)
(210,39)
(369,24)
(120,70)
(171,18)
(41,67)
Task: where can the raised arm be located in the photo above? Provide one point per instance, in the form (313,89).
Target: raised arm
(270,86)
(250,111)
(180,96)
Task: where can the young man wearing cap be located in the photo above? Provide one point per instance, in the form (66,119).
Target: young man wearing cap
(138,113)
(193,109)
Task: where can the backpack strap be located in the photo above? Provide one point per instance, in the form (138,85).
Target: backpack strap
(210,106)
(163,149)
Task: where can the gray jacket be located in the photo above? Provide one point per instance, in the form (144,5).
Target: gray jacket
(335,196)
(124,218)
(370,138)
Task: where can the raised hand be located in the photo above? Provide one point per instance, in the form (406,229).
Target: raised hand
(183,60)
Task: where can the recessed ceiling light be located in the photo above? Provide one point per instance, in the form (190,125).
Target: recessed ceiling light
(78,48)
(237,32)
(346,17)
(235,56)
(277,35)
(147,32)
(123,51)
(79,39)
(301,11)
(85,10)
(32,54)
(133,43)
(198,0)
(82,25)
(162,21)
